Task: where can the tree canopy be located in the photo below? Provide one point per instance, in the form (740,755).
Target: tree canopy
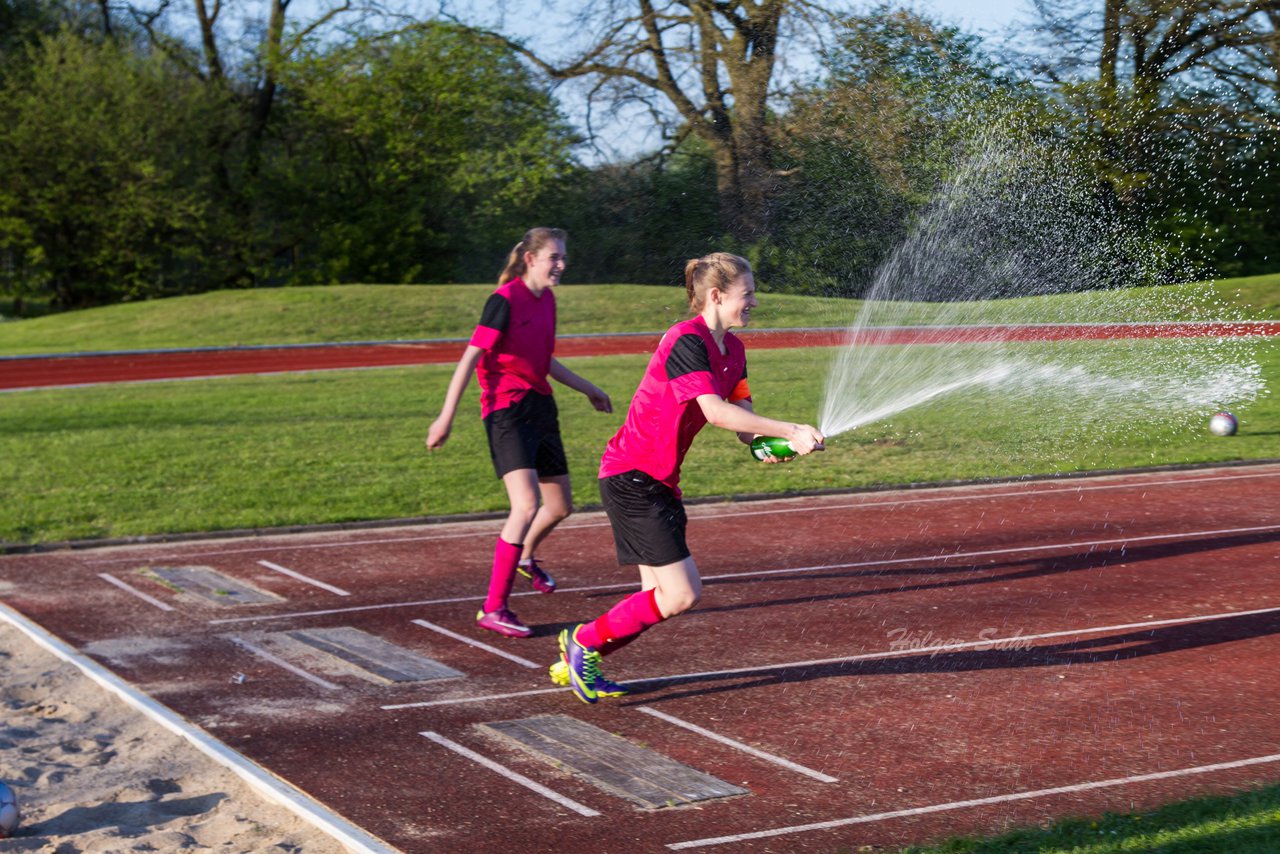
(162,147)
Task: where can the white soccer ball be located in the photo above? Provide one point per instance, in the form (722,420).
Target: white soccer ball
(1223,424)
(9,814)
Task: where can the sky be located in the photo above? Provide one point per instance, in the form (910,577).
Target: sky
(537,21)
(984,17)
(545,26)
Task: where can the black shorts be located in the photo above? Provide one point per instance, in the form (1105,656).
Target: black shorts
(526,435)
(648,519)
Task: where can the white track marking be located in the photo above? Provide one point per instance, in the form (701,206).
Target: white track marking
(354,608)
(977,802)
(477,644)
(427,703)
(258,779)
(298,575)
(135,592)
(869,656)
(510,775)
(280,662)
(953,493)
(757,573)
(737,745)
(1091,544)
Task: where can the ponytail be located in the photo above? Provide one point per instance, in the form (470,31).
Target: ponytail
(716,271)
(534,239)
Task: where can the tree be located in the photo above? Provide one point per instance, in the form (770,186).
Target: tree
(900,100)
(713,63)
(1149,71)
(97,203)
(639,221)
(1177,100)
(418,157)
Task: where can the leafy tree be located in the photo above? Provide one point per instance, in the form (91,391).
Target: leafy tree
(421,157)
(96,201)
(1178,101)
(712,62)
(639,221)
(901,99)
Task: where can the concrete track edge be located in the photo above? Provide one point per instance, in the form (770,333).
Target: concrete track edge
(12,548)
(261,781)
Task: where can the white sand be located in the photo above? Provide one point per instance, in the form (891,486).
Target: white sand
(93,775)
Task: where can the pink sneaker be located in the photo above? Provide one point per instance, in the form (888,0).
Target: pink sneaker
(504,623)
(537,576)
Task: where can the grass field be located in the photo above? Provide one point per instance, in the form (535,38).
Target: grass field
(1248,823)
(148,458)
(414,312)
(254,452)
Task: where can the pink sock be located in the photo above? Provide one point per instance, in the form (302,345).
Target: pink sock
(622,623)
(505,558)
(614,645)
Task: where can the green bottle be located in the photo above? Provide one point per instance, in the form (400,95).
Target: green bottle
(764,447)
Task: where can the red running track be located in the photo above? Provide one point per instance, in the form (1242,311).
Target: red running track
(18,373)
(922,663)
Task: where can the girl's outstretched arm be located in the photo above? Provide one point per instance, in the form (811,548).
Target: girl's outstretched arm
(598,398)
(439,431)
(720,412)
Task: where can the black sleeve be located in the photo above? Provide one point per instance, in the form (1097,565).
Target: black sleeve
(688,355)
(497,313)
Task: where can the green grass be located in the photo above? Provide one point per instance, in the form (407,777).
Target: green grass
(1247,823)
(150,458)
(406,312)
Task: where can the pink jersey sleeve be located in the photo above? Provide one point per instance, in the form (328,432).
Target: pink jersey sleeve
(688,368)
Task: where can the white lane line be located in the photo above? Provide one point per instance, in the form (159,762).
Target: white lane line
(477,644)
(977,802)
(329,611)
(737,745)
(261,781)
(135,592)
(1122,542)
(298,575)
(510,775)
(977,491)
(951,493)
(513,694)
(280,662)
(986,643)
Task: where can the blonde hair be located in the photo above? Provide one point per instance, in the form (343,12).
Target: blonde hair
(716,271)
(534,239)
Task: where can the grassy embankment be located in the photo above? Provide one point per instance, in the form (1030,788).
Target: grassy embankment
(406,312)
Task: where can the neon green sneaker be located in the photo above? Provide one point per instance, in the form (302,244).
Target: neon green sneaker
(559,672)
(582,666)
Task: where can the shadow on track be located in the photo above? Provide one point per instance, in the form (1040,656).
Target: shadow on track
(1098,650)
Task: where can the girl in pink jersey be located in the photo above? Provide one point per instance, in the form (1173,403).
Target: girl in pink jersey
(698,375)
(510,352)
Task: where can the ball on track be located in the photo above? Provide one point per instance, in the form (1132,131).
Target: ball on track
(1223,424)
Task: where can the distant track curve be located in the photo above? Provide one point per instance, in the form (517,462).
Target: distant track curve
(21,373)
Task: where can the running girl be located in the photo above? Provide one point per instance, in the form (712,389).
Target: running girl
(698,375)
(512,347)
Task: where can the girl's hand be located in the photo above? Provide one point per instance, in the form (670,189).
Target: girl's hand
(599,400)
(438,433)
(806,439)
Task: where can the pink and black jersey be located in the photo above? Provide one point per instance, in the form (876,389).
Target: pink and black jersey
(664,416)
(517,331)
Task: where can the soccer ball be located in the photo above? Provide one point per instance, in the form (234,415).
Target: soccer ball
(1223,424)
(9,814)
